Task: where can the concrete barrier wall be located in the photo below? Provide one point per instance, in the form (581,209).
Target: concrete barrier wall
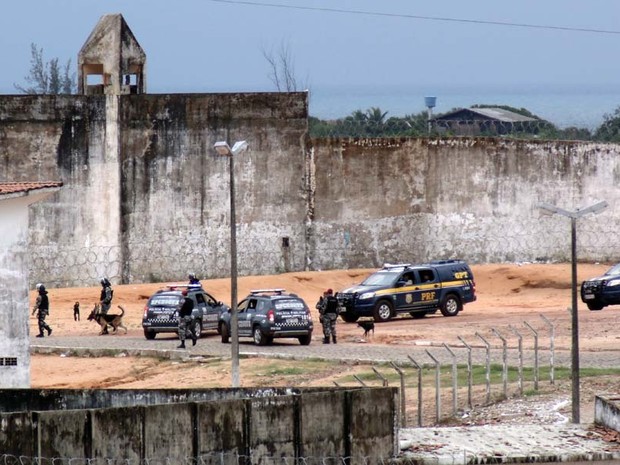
(395,200)
(317,422)
(146,198)
(607,412)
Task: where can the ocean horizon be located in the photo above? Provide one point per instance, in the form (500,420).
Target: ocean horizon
(579,106)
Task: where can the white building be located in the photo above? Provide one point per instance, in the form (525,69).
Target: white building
(15,197)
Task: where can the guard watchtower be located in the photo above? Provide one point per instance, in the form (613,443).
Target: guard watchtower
(111,61)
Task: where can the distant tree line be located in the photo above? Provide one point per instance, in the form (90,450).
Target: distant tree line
(375,123)
(52,78)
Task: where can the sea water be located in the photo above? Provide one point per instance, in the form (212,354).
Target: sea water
(580,106)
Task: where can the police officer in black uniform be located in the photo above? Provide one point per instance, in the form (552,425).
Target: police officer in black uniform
(42,308)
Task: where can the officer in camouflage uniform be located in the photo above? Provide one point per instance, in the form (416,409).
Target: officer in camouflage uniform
(186,320)
(105,298)
(42,308)
(328,309)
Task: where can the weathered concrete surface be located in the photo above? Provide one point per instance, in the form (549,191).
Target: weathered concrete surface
(607,411)
(154,424)
(146,198)
(394,200)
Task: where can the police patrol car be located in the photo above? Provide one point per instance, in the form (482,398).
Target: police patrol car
(161,311)
(602,291)
(444,285)
(270,313)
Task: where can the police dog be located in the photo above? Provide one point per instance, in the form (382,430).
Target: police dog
(105,320)
(367,326)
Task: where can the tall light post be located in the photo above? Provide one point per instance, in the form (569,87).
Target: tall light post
(222,148)
(574,216)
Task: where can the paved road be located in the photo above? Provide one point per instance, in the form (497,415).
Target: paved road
(346,351)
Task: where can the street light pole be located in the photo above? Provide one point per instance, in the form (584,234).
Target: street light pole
(551,210)
(223,148)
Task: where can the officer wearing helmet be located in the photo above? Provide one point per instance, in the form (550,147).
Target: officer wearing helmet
(193,280)
(105,298)
(42,308)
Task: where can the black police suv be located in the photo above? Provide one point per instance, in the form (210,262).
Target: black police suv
(267,314)
(602,291)
(161,311)
(444,285)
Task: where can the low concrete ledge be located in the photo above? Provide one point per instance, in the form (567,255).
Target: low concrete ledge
(607,411)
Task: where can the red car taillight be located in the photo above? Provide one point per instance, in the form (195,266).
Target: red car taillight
(309,315)
(271,316)
(146,311)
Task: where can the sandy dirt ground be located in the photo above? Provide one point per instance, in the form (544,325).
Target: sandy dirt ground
(508,295)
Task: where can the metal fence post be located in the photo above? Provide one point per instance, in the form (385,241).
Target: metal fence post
(454,378)
(551,348)
(403,410)
(381,377)
(437,387)
(504,362)
(360,381)
(419,388)
(488,362)
(520,348)
(469,371)
(535,354)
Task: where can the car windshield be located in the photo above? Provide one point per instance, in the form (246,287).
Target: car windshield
(381,278)
(614,270)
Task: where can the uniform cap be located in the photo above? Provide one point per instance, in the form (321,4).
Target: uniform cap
(329,291)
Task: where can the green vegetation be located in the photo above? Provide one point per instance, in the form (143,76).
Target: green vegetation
(375,123)
(47,77)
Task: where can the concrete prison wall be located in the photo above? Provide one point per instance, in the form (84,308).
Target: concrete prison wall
(415,200)
(204,424)
(146,198)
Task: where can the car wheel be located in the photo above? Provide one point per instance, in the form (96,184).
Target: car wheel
(348,317)
(595,305)
(197,328)
(451,305)
(224,332)
(259,338)
(383,311)
(305,340)
(150,335)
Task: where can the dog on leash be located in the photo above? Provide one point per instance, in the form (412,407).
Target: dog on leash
(367,326)
(107,319)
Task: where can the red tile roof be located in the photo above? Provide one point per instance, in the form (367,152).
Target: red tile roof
(24,187)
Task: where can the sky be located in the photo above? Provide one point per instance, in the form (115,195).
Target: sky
(219,45)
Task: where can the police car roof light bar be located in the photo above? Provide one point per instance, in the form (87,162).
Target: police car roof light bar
(265,291)
(387,266)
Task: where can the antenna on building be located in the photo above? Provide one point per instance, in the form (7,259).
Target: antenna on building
(430,102)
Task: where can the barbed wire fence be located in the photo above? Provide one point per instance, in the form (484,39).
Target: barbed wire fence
(502,240)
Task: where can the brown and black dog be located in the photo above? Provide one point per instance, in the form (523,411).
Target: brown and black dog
(108,319)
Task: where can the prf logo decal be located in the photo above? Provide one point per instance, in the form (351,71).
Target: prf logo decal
(461,275)
(408,298)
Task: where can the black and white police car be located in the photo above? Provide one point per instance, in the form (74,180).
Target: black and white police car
(267,314)
(161,311)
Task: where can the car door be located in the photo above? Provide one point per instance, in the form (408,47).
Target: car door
(200,309)
(212,312)
(426,289)
(406,291)
(243,317)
